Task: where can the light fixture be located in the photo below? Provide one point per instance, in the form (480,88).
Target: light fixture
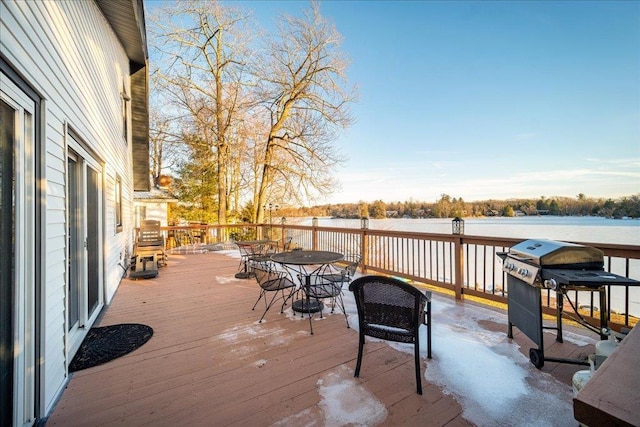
(457,225)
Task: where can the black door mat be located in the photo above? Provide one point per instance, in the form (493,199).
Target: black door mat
(105,343)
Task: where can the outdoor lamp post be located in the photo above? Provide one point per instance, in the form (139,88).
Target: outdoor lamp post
(271,207)
(457,225)
(283,220)
(364,223)
(314,222)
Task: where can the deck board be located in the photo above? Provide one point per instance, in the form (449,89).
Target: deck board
(210,363)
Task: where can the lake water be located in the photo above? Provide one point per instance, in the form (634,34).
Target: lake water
(574,229)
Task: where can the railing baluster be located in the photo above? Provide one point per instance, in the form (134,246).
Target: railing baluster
(437,259)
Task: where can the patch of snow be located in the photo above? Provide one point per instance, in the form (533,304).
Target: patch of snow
(483,370)
(259,363)
(342,403)
(345,403)
(224,280)
(486,372)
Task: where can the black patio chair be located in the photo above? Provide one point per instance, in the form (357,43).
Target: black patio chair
(344,271)
(392,310)
(246,251)
(262,253)
(320,288)
(288,244)
(275,282)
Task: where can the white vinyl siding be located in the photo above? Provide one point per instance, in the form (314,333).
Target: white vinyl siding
(69,54)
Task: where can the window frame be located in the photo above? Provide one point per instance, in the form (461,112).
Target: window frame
(118,204)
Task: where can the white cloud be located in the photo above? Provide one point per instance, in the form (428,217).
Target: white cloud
(426,181)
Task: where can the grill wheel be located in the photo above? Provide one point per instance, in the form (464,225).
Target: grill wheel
(536,357)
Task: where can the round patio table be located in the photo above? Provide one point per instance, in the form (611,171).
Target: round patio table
(306,264)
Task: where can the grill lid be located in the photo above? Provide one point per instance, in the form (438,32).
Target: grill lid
(555,254)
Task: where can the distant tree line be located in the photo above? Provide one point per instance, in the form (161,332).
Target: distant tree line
(450,207)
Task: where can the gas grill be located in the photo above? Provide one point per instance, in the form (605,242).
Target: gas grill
(533,265)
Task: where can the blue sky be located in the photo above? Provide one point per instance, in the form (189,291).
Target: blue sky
(485,100)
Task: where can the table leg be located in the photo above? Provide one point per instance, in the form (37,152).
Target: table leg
(306,305)
(604,314)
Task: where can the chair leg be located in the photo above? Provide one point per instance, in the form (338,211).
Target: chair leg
(310,322)
(360,348)
(429,329)
(275,294)
(417,359)
(259,298)
(344,311)
(285,298)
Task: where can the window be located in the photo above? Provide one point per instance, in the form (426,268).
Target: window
(118,195)
(141,214)
(125,112)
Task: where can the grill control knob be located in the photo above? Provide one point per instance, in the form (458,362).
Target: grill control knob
(523,272)
(551,284)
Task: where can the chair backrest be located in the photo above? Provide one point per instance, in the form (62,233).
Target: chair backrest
(353,262)
(248,249)
(262,275)
(270,247)
(245,250)
(388,308)
(196,230)
(150,234)
(288,244)
(320,287)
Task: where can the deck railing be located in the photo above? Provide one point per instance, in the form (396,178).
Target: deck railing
(462,264)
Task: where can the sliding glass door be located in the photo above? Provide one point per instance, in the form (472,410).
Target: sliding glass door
(17,265)
(84,286)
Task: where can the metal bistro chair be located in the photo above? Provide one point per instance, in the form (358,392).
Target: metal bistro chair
(288,244)
(275,282)
(262,253)
(319,289)
(392,310)
(328,284)
(246,254)
(343,273)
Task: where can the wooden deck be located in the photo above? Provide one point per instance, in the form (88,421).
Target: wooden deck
(210,363)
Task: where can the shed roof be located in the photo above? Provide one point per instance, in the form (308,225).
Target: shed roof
(154,195)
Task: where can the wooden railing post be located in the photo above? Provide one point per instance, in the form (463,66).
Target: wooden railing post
(314,234)
(283,234)
(458,266)
(364,250)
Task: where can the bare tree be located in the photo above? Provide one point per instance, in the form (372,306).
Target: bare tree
(165,149)
(302,89)
(267,131)
(204,75)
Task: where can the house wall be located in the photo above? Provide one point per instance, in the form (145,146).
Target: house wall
(154,210)
(67,52)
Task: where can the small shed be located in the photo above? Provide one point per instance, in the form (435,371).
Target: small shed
(152,204)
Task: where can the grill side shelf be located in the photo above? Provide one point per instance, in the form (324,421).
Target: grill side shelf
(587,278)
